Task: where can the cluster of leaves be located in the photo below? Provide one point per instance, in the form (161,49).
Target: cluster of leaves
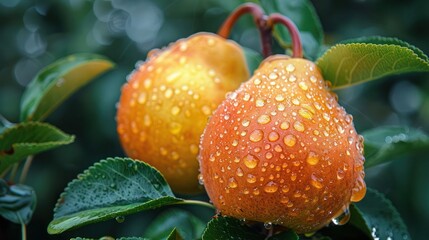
(116,187)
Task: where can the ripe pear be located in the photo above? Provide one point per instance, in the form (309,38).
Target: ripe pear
(281,150)
(168,99)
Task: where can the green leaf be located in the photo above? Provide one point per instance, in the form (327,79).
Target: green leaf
(253,59)
(231,228)
(353,63)
(357,220)
(388,40)
(286,235)
(185,223)
(111,188)
(384,144)
(303,14)
(17,202)
(111,238)
(24,139)
(53,84)
(174,235)
(381,217)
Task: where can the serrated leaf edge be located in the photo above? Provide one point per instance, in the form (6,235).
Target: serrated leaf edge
(70,138)
(415,49)
(333,48)
(87,171)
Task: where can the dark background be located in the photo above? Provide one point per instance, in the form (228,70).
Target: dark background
(35,33)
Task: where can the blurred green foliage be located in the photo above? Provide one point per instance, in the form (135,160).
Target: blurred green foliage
(35,33)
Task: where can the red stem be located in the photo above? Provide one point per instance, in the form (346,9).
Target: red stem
(260,19)
(293,31)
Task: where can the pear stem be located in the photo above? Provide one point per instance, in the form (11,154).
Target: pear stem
(260,20)
(293,31)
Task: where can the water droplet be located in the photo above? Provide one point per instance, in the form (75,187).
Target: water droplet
(292,78)
(284,125)
(257,81)
(226,117)
(285,189)
(316,182)
(256,135)
(147,83)
(193,148)
(295,101)
(251,178)
(222,201)
(388,139)
(206,110)
(273,76)
(268,155)
(303,86)
(212,158)
(271,187)
(264,119)
(168,93)
(173,76)
(299,126)
(142,98)
(260,103)
(290,68)
(326,116)
(279,98)
(312,158)
(278,148)
(246,97)
(234,143)
(120,219)
(175,110)
(232,183)
(313,79)
(289,140)
(210,41)
(340,129)
(342,218)
(245,122)
(268,225)
(305,113)
(340,174)
(281,107)
(256,191)
(183,46)
(175,156)
(293,176)
(273,136)
(200,179)
(175,127)
(239,172)
(359,190)
(250,161)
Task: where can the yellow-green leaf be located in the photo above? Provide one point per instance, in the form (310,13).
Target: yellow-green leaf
(53,84)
